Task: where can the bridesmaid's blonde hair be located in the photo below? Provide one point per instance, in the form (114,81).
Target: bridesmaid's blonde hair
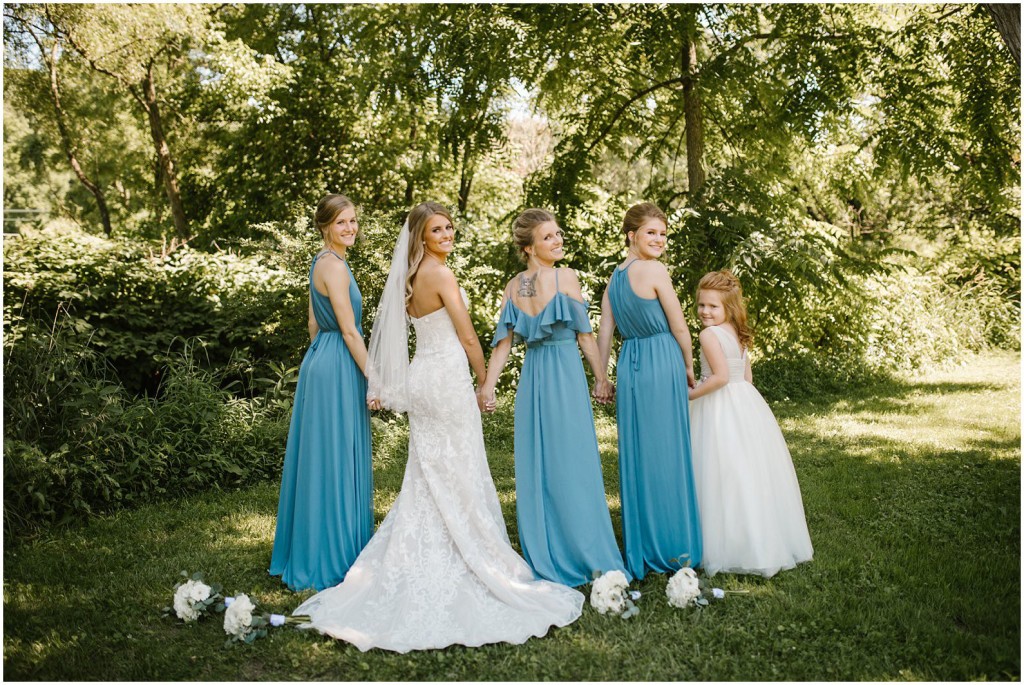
(522,229)
(732,299)
(637,215)
(327,211)
(418,218)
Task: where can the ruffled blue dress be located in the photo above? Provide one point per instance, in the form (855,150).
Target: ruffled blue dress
(565,530)
(660,514)
(325,513)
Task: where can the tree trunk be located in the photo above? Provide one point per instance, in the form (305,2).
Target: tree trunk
(65,138)
(163,154)
(1007,20)
(694,118)
(410,187)
(465,180)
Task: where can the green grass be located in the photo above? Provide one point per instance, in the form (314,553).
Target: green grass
(912,492)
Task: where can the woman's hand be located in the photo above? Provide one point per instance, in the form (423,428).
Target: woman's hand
(486,399)
(373,404)
(604,391)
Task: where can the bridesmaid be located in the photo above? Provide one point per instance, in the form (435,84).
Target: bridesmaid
(660,519)
(565,530)
(325,514)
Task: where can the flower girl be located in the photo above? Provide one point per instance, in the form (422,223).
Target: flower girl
(752,516)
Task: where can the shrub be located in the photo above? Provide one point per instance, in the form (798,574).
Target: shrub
(85,445)
(135,300)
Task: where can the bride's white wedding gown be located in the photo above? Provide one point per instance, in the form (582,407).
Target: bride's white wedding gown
(440,569)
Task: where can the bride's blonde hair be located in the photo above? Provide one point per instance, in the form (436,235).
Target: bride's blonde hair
(418,218)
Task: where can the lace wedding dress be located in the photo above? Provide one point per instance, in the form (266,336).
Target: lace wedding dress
(440,569)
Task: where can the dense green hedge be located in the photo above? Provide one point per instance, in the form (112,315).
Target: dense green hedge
(76,442)
(133,303)
(130,375)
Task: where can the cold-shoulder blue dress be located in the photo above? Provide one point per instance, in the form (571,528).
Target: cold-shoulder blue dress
(660,514)
(325,513)
(565,530)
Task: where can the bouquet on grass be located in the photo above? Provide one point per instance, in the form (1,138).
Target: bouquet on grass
(685,589)
(243,624)
(193,598)
(609,593)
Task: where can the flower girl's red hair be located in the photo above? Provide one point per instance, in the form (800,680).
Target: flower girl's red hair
(732,299)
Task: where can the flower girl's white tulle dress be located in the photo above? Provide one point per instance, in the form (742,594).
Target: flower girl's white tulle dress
(751,512)
(440,569)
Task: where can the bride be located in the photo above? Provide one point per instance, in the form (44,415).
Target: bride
(440,569)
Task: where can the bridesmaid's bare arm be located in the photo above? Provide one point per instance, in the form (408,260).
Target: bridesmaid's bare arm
(674,313)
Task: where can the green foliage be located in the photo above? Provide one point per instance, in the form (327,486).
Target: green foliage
(135,302)
(76,443)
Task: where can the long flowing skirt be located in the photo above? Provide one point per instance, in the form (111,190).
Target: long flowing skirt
(660,516)
(565,529)
(751,510)
(325,512)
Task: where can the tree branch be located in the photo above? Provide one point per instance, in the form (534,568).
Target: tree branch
(629,103)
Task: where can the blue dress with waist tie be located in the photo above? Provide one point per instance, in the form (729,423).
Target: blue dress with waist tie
(325,513)
(565,529)
(660,516)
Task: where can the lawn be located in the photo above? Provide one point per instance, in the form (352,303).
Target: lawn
(912,493)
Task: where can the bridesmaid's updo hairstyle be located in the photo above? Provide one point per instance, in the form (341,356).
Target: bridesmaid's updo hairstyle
(328,210)
(732,299)
(522,229)
(418,218)
(637,215)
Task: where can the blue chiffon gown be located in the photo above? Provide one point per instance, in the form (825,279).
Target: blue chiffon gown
(565,530)
(325,513)
(660,513)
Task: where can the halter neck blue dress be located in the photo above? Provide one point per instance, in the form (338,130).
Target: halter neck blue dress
(565,530)
(325,513)
(660,514)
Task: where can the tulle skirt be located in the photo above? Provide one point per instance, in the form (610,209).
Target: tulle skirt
(751,512)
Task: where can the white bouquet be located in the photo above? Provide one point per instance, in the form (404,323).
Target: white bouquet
(683,588)
(193,598)
(608,594)
(243,624)
(238,616)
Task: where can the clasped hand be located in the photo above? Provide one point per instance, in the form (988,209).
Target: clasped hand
(604,392)
(486,400)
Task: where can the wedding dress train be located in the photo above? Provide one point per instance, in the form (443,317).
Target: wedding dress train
(440,569)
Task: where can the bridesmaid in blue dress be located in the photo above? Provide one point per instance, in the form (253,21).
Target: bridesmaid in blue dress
(565,530)
(660,516)
(325,513)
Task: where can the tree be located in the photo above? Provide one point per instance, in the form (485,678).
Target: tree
(1007,20)
(136,46)
(49,47)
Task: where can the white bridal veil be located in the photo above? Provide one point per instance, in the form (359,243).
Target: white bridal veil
(387,363)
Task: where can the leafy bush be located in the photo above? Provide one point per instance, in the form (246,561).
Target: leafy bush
(79,443)
(135,300)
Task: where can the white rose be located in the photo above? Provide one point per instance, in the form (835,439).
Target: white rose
(238,616)
(183,608)
(683,588)
(607,594)
(198,592)
(718,593)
